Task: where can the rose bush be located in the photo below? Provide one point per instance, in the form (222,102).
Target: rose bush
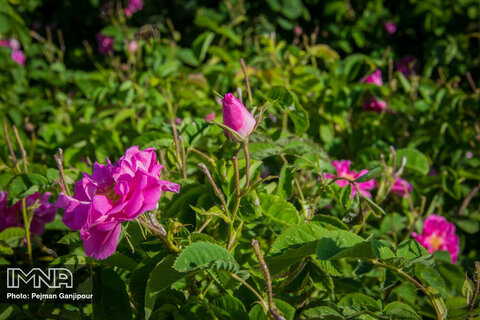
(229,199)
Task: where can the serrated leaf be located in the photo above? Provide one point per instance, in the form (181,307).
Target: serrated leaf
(279,210)
(416,160)
(400,310)
(205,255)
(71,238)
(24,185)
(371,174)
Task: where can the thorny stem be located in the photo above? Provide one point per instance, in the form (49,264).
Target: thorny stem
(26,224)
(59,161)
(159,232)
(247,83)
(184,159)
(204,225)
(477,286)
(264,303)
(10,148)
(217,191)
(203,155)
(231,243)
(231,234)
(247,162)
(22,149)
(44,248)
(175,139)
(415,282)
(268,280)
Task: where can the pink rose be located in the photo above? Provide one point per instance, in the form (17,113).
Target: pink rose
(408,65)
(209,117)
(113,194)
(439,234)
(236,116)
(133,6)
(390,27)
(18,57)
(13,216)
(105,44)
(401,187)
(374,104)
(343,170)
(375,78)
(132,46)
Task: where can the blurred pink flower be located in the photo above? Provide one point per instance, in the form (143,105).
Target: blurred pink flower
(236,116)
(408,65)
(209,117)
(439,234)
(343,170)
(178,120)
(18,57)
(113,194)
(401,187)
(4,43)
(133,6)
(375,78)
(132,46)
(13,216)
(390,27)
(14,44)
(105,44)
(469,154)
(374,104)
(297,30)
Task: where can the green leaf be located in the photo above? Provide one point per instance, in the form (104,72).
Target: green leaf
(24,185)
(279,210)
(431,277)
(161,278)
(205,255)
(371,174)
(153,139)
(411,250)
(300,118)
(287,310)
(71,238)
(400,310)
(416,160)
(321,313)
(359,301)
(285,183)
(113,302)
(373,206)
(262,150)
(343,244)
(467,290)
(232,306)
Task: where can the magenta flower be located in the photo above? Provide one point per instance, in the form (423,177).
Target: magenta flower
(236,116)
(18,57)
(375,78)
(439,234)
(4,43)
(343,170)
(374,104)
(390,27)
(113,194)
(105,44)
(178,120)
(13,217)
(401,187)
(133,6)
(209,117)
(408,65)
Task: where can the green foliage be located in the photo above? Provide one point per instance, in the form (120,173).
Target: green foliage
(330,254)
